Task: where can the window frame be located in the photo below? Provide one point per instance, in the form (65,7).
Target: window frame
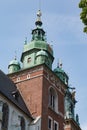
(5,116)
(53,99)
(57,124)
(50,126)
(22,123)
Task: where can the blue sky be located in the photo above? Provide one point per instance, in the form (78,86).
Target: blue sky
(64,31)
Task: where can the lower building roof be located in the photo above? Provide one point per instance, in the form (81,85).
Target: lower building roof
(10,91)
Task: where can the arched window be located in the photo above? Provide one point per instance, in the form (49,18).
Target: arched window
(53,99)
(5,117)
(22,123)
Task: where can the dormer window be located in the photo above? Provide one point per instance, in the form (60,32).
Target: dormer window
(15,94)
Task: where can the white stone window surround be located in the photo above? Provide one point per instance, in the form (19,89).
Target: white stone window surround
(56,125)
(53,99)
(50,123)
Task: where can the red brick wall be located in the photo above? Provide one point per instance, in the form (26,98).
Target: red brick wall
(31,91)
(47,111)
(35,93)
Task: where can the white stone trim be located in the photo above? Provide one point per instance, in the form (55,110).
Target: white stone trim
(55,122)
(50,118)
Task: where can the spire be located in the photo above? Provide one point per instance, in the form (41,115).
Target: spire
(38,21)
(38,33)
(38,51)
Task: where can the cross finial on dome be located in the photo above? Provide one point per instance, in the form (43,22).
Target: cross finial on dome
(39,14)
(60,64)
(38,21)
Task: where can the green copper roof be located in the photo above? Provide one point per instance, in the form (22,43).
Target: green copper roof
(14,62)
(37,46)
(42,53)
(38,51)
(61,73)
(59,70)
(14,66)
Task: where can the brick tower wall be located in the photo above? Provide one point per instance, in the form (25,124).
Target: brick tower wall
(34,85)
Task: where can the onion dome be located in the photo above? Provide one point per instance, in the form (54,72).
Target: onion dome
(42,53)
(42,57)
(61,73)
(14,66)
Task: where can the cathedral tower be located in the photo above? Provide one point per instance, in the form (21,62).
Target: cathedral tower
(44,91)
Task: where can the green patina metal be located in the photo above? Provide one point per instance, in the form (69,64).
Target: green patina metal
(69,100)
(43,57)
(38,51)
(42,53)
(38,43)
(69,105)
(61,73)
(14,66)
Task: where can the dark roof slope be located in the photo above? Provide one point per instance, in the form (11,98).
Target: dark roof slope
(9,89)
